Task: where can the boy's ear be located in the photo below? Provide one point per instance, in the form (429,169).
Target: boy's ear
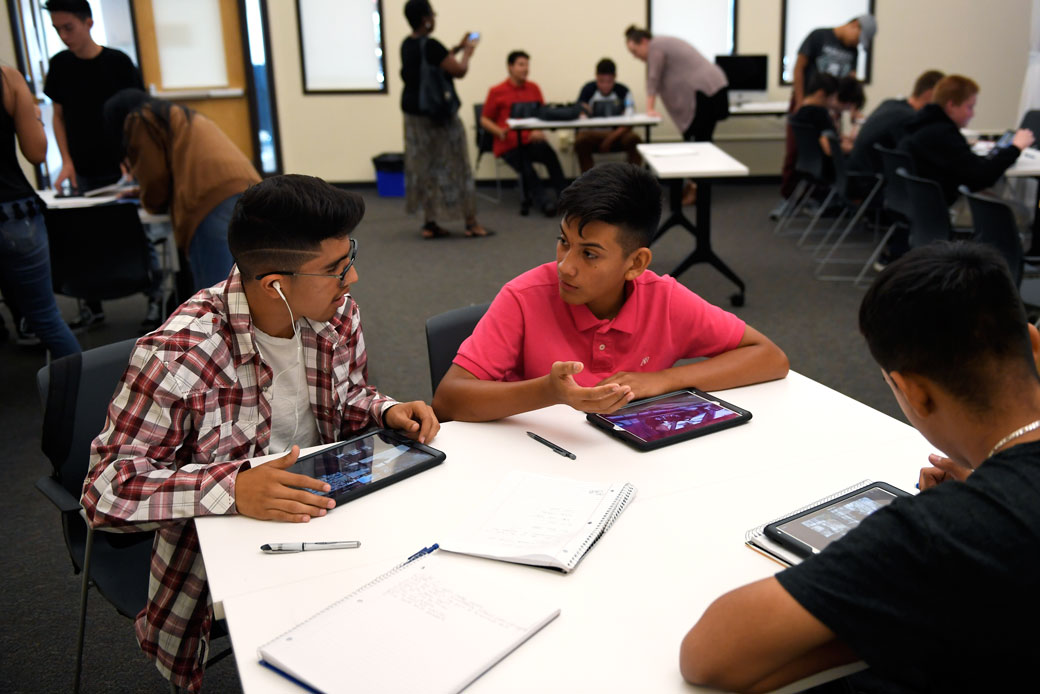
(916,392)
(1034,342)
(638,262)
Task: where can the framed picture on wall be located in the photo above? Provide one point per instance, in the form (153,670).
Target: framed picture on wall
(341,46)
(800,17)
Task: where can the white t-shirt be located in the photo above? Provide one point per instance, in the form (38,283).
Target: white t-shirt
(292,420)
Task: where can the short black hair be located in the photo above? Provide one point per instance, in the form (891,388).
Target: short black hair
(80,8)
(624,195)
(515,56)
(850,91)
(279,223)
(636,35)
(821,80)
(416,11)
(606,67)
(950,312)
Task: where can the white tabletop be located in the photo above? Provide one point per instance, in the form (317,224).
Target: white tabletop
(760,108)
(50,198)
(676,548)
(1027,164)
(690,159)
(636,119)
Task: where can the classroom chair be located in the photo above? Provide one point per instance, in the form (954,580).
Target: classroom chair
(1031,121)
(444,333)
(485,145)
(813,178)
(75,392)
(929,215)
(895,200)
(994,223)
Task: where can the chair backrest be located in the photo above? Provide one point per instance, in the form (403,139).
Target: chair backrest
(444,333)
(929,215)
(896,199)
(98,252)
(810,159)
(485,140)
(995,224)
(1031,121)
(840,163)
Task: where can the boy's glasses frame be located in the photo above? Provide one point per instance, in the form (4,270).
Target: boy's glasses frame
(341,275)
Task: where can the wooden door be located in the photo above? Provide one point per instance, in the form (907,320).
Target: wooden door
(228,105)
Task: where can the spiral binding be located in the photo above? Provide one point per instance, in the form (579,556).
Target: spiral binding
(759,531)
(609,516)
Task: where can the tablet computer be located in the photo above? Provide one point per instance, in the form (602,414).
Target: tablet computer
(809,531)
(366,463)
(670,418)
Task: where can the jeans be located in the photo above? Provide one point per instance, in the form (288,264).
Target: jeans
(25,263)
(208,251)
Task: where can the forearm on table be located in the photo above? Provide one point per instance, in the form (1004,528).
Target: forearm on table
(738,367)
(463,397)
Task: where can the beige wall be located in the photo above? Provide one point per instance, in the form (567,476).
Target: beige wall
(335,136)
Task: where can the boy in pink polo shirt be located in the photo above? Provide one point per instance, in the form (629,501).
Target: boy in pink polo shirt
(597,329)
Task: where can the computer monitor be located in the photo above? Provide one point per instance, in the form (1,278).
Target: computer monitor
(748,75)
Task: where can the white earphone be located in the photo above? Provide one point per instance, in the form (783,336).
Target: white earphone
(299,348)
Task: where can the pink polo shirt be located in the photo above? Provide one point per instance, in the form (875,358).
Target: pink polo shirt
(528,327)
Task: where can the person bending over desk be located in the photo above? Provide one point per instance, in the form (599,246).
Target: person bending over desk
(271,359)
(927,589)
(596,329)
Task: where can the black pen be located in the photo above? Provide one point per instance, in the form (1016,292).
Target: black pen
(562,451)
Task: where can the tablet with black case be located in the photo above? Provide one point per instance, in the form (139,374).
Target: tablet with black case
(366,463)
(670,418)
(810,531)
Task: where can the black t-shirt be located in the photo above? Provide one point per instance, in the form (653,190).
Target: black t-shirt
(410,72)
(82,87)
(827,54)
(886,127)
(940,592)
(13,184)
(816,116)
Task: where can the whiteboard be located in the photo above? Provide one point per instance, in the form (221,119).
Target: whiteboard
(707,25)
(802,16)
(190,39)
(341,45)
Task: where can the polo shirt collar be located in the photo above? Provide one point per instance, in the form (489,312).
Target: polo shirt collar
(626,321)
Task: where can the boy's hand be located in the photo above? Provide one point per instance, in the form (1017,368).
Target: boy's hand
(416,419)
(267,492)
(602,399)
(642,385)
(943,470)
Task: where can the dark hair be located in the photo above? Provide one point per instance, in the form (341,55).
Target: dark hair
(279,223)
(950,312)
(125,108)
(416,11)
(606,67)
(821,80)
(80,8)
(926,81)
(624,195)
(636,35)
(515,56)
(850,91)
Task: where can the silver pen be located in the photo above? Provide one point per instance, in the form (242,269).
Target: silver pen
(285,547)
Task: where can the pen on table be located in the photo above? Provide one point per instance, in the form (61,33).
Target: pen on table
(285,547)
(562,451)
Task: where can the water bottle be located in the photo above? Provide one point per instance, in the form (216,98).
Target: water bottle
(630,105)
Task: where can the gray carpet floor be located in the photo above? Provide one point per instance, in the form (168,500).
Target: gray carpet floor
(403,280)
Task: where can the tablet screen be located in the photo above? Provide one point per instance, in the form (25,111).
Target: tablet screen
(666,417)
(829,523)
(356,464)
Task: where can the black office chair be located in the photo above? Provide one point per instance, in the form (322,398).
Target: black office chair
(75,391)
(1031,121)
(99,252)
(444,333)
(895,201)
(929,215)
(995,224)
(486,145)
(814,176)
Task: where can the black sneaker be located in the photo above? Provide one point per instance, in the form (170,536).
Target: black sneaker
(87,319)
(153,318)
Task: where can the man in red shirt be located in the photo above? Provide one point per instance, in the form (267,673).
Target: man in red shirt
(497,106)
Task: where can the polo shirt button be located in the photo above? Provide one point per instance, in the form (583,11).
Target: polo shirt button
(602,347)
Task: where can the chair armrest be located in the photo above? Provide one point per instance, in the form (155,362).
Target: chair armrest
(58,495)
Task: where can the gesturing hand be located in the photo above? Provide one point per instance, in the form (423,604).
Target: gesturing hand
(601,399)
(942,470)
(268,492)
(416,419)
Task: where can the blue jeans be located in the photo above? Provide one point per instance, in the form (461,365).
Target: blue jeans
(25,263)
(208,251)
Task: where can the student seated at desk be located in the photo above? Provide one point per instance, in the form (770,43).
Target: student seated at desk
(271,359)
(615,99)
(596,329)
(821,100)
(935,592)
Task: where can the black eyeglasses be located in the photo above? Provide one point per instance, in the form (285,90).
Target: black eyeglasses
(341,275)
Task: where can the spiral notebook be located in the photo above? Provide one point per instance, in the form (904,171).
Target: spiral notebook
(551,522)
(434,624)
(757,539)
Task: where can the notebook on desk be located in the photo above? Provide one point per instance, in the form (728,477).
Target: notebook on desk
(434,624)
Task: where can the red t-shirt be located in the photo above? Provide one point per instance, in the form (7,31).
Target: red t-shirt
(500,99)
(528,327)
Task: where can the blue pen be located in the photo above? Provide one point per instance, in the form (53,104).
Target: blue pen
(423,552)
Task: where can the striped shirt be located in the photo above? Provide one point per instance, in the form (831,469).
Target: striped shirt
(191,409)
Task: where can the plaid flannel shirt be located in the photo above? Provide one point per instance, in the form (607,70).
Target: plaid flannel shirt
(190,410)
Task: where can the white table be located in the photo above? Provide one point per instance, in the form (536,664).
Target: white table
(760,108)
(49,196)
(633,121)
(625,609)
(701,161)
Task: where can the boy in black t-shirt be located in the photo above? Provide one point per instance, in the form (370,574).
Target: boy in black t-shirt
(935,592)
(617,100)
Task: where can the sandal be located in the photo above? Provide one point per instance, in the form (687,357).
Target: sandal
(431,230)
(476,231)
